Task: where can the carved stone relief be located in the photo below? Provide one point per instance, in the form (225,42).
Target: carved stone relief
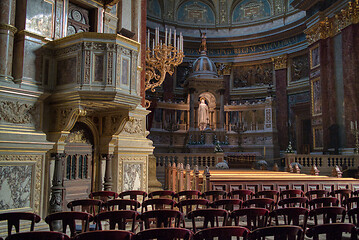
(132,173)
(299,68)
(134,126)
(19,113)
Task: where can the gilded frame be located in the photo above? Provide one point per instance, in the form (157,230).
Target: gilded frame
(314,55)
(316,97)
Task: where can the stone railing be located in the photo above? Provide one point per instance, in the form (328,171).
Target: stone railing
(325,163)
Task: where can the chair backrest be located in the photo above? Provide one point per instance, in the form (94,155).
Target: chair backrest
(119,217)
(353,215)
(255,217)
(158,203)
(228,204)
(92,206)
(318,193)
(341,194)
(333,231)
(103,195)
(134,195)
(352,202)
(267,203)
(274,194)
(69,219)
(162,194)
(161,218)
(13,220)
(187,194)
(290,216)
(164,234)
(122,204)
(289,193)
(38,235)
(329,214)
(188,205)
(323,202)
(278,232)
(105,234)
(242,194)
(208,216)
(223,233)
(214,195)
(294,202)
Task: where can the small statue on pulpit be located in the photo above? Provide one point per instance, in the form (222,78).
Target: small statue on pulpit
(202,115)
(203,46)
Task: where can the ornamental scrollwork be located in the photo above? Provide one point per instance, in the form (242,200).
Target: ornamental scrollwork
(134,126)
(18,112)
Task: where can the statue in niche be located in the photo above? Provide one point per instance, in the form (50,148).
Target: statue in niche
(202,115)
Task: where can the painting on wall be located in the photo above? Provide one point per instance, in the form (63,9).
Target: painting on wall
(316,97)
(314,57)
(195,12)
(299,68)
(253,75)
(250,10)
(317,137)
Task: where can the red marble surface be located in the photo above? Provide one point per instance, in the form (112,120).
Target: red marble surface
(282,107)
(350,43)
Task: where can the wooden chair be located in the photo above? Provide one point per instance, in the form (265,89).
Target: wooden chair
(291,216)
(188,194)
(223,233)
(268,194)
(228,204)
(318,193)
(105,234)
(283,232)
(134,195)
(333,231)
(329,214)
(158,203)
(214,195)
(323,202)
(38,235)
(241,194)
(209,215)
(162,194)
(289,193)
(188,205)
(13,220)
(353,215)
(161,218)
(122,204)
(120,217)
(92,206)
(165,234)
(250,218)
(267,203)
(294,202)
(342,195)
(103,195)
(69,219)
(350,203)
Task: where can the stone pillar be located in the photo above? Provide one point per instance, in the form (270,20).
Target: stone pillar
(191,109)
(350,49)
(108,172)
(221,109)
(7,31)
(153,183)
(280,66)
(57,184)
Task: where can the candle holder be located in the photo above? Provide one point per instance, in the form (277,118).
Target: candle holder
(161,59)
(355,132)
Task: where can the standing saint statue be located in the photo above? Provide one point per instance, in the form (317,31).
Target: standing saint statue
(202,115)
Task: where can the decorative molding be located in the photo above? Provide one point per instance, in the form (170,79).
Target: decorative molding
(36,192)
(4,26)
(67,117)
(329,27)
(18,113)
(134,126)
(280,62)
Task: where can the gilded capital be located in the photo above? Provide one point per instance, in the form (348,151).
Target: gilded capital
(280,62)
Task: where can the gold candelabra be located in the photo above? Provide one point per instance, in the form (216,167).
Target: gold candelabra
(355,131)
(162,59)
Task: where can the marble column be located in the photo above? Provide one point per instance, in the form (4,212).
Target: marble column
(108,172)
(57,184)
(191,109)
(221,109)
(350,49)
(143,47)
(280,66)
(7,31)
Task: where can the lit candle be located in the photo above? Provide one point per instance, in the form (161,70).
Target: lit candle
(169,36)
(166,37)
